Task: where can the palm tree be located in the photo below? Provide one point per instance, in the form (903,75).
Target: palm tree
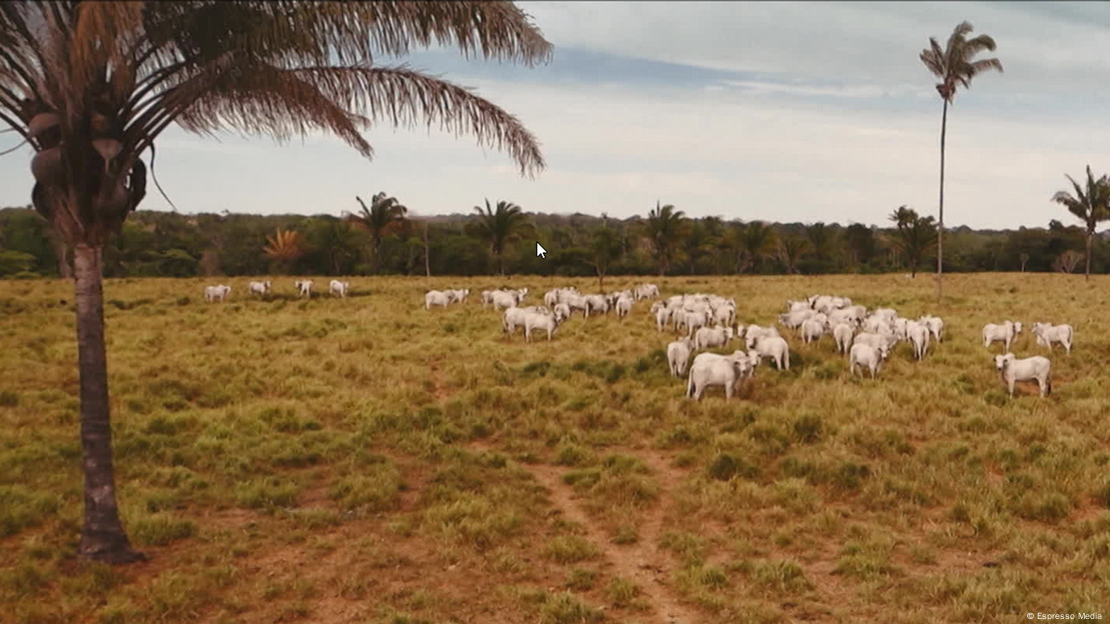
(285,247)
(914,237)
(92,85)
(384,216)
(663,229)
(754,242)
(1091,205)
(499,227)
(954,66)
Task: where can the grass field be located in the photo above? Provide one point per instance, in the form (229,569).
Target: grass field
(363,460)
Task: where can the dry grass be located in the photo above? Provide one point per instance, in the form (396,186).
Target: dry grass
(363,460)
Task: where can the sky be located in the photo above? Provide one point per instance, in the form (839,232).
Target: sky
(789,112)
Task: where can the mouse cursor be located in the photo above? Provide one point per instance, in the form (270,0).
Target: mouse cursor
(540,251)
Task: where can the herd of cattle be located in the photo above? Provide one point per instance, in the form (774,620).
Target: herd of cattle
(304,289)
(709,321)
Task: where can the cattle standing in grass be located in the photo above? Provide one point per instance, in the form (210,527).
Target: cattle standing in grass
(339,288)
(1047,333)
(304,288)
(1005,333)
(261,288)
(1011,369)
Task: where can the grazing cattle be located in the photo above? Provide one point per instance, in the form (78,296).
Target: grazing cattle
(875,341)
(436,298)
(812,330)
(540,320)
(646,291)
(337,287)
(843,333)
(216,293)
(797,306)
(596,303)
(1047,333)
(1004,333)
(624,306)
(935,325)
(753,332)
(773,347)
(304,288)
(717,371)
(505,299)
(865,355)
(712,337)
(678,356)
(918,335)
(695,321)
(562,311)
(457,296)
(1011,370)
(662,315)
(794,319)
(259,287)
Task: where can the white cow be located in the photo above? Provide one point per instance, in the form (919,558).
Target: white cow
(873,340)
(935,325)
(712,337)
(843,333)
(865,355)
(1047,333)
(794,319)
(540,320)
(774,347)
(304,288)
(918,335)
(337,287)
(562,311)
(457,296)
(646,291)
(216,293)
(259,287)
(1037,367)
(724,371)
(596,303)
(678,356)
(505,299)
(696,320)
(753,332)
(435,297)
(812,330)
(624,306)
(1004,333)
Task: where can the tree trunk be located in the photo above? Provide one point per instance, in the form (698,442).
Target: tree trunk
(1090,234)
(940,228)
(103,538)
(427,261)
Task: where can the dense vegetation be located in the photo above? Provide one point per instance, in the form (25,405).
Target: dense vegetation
(155,243)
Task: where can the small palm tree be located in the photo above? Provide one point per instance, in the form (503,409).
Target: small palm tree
(499,227)
(91,86)
(1091,205)
(914,237)
(663,228)
(384,216)
(285,247)
(954,65)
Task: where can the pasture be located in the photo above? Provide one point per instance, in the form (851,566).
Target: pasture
(365,460)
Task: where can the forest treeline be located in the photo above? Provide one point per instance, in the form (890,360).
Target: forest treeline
(381,239)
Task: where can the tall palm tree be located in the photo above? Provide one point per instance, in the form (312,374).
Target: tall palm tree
(92,85)
(954,65)
(914,237)
(499,227)
(663,228)
(1091,205)
(384,216)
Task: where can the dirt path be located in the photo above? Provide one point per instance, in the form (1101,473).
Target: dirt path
(644,562)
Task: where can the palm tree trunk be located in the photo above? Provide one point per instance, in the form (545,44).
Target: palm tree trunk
(1090,233)
(427,261)
(103,538)
(940,229)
